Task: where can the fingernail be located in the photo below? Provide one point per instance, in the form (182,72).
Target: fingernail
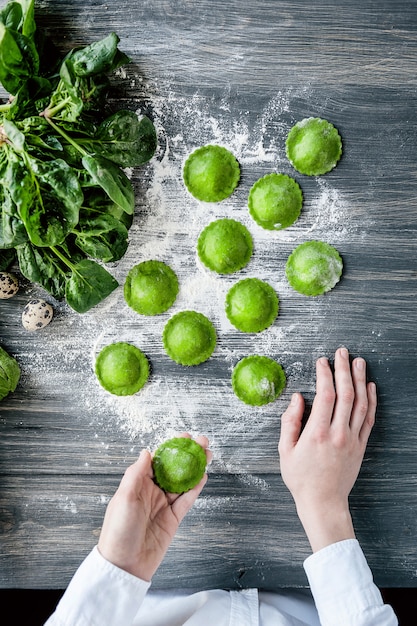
(294,399)
(344,353)
(372,388)
(323,361)
(360,364)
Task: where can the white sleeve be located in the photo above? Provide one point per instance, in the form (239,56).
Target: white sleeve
(99,594)
(343,589)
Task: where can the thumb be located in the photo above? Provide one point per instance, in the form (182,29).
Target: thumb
(291,423)
(185,501)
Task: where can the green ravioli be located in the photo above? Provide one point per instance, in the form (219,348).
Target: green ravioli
(251,305)
(313,146)
(211,173)
(258,380)
(225,246)
(313,268)
(151,287)
(189,338)
(275,201)
(179,464)
(122,369)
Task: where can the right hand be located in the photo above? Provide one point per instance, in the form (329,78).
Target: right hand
(321,463)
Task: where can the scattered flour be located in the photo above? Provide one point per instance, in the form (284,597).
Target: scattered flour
(166,227)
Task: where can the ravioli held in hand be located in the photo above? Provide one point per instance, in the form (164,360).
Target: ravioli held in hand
(179,464)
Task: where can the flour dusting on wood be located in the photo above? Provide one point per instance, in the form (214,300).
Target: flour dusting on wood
(166,227)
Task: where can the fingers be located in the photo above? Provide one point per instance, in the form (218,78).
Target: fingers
(346,393)
(185,501)
(344,400)
(361,403)
(291,423)
(324,401)
(136,472)
(192,495)
(354,401)
(369,420)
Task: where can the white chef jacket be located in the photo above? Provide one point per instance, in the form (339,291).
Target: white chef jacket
(101,594)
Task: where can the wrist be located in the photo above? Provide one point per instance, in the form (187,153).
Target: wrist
(327,525)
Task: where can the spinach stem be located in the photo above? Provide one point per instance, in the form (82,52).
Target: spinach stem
(66,137)
(51,112)
(63,258)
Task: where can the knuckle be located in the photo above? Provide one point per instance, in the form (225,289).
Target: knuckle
(362,408)
(340,439)
(329,396)
(348,395)
(320,434)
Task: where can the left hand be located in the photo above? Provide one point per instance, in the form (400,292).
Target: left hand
(141,520)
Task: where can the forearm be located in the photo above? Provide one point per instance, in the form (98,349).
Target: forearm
(326,525)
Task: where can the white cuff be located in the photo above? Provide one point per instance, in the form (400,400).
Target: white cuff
(343,588)
(100,594)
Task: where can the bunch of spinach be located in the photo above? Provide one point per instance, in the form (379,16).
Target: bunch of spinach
(64,197)
(9,373)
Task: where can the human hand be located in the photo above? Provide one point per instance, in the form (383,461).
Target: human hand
(141,519)
(321,464)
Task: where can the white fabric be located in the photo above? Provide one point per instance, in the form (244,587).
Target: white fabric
(101,594)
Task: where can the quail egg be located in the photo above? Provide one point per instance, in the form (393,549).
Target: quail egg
(9,285)
(37,314)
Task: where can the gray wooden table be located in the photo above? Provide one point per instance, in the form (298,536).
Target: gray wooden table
(239,74)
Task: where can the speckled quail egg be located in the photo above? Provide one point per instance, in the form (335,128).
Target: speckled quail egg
(9,285)
(37,314)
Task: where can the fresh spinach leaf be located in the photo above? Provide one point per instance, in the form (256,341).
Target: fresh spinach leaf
(42,266)
(64,197)
(101,236)
(14,136)
(112,179)
(124,138)
(88,285)
(99,57)
(49,201)
(12,230)
(97,201)
(9,373)
(7,257)
(18,59)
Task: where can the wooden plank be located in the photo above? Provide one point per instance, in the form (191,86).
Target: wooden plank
(225,541)
(240,75)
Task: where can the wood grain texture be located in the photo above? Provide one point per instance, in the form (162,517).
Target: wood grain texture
(239,74)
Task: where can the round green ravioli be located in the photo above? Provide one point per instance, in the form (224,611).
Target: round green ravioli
(122,369)
(251,305)
(275,201)
(258,380)
(211,173)
(151,287)
(225,246)
(179,464)
(189,338)
(313,268)
(314,146)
